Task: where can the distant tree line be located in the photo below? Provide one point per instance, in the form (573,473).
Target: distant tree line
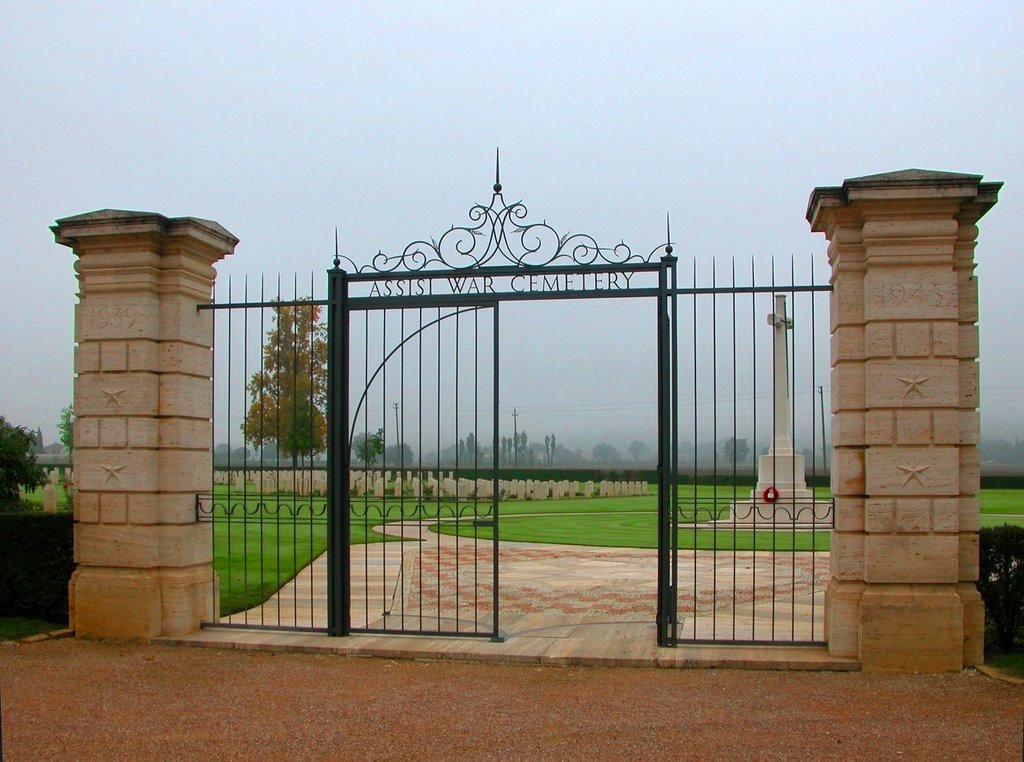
(1001,451)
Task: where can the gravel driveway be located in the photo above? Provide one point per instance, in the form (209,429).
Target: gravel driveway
(67,699)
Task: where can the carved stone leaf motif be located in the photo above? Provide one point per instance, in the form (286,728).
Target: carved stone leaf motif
(914,385)
(113,397)
(913,473)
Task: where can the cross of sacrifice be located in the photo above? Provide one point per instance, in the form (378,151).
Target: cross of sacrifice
(780,438)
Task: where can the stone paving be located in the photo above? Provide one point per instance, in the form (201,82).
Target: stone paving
(446,583)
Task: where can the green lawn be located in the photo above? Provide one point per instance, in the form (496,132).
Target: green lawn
(35,498)
(260,548)
(15,627)
(1011,663)
(1002,501)
(265,540)
(636,530)
(264,546)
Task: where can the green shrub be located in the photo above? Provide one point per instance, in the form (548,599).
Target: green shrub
(1001,580)
(18,467)
(36,561)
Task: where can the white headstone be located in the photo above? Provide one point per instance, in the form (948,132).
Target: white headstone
(49,498)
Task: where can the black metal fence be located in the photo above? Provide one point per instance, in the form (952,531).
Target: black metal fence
(268,513)
(358,437)
(751,563)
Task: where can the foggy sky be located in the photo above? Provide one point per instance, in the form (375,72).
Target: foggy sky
(282,122)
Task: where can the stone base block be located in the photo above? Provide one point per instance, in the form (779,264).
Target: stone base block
(842,617)
(784,471)
(140,604)
(911,628)
(974,624)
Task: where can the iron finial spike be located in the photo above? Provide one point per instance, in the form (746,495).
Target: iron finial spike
(497,169)
(668,233)
(337,259)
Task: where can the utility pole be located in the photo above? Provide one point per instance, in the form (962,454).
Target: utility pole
(515,436)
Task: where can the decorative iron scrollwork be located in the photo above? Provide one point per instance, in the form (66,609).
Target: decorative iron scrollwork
(500,236)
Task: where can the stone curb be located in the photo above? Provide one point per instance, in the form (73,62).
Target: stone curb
(63,632)
(1000,675)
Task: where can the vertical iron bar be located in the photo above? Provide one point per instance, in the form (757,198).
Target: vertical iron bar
(495,502)
(400,444)
(437,540)
(314,317)
(696,506)
(384,466)
(245,448)
(476,465)
(458,496)
(263,420)
(756,457)
(665,516)
(814,458)
(775,429)
(293,446)
(366,472)
(215,604)
(419,456)
(673,395)
(714,449)
(338,464)
(791,384)
(227,503)
(734,432)
(277,428)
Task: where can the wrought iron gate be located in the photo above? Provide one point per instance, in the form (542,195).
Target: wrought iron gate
(399,317)
(749,553)
(436,368)
(410,370)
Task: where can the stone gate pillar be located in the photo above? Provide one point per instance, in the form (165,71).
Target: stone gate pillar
(905,426)
(143,399)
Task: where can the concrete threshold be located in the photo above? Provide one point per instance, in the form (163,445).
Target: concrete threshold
(593,644)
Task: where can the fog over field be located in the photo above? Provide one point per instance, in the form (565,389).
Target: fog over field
(381,120)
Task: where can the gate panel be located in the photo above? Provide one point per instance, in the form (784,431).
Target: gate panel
(753,513)
(421,477)
(268,510)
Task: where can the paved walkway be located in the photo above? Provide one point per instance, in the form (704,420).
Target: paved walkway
(563,604)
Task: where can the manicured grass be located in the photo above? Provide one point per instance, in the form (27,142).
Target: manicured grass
(996,519)
(263,541)
(1002,501)
(1012,663)
(14,627)
(35,498)
(631,530)
(264,546)
(253,558)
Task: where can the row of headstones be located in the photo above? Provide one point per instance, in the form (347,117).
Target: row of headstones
(426,485)
(303,483)
(380,484)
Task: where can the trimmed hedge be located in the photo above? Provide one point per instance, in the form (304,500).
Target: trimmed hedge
(36,561)
(1001,580)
